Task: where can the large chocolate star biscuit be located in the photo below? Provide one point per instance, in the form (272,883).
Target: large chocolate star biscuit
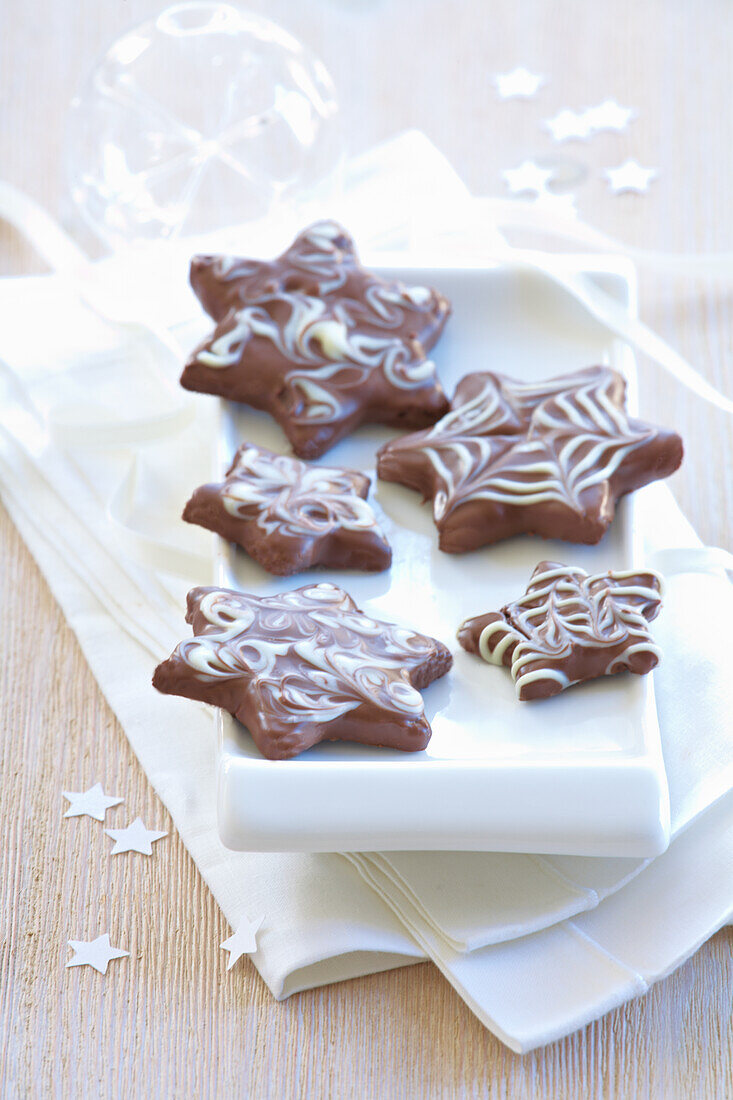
(548,459)
(289,515)
(322,263)
(570,627)
(317,341)
(303,667)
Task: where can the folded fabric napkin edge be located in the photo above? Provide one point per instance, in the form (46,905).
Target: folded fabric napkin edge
(538,988)
(379,870)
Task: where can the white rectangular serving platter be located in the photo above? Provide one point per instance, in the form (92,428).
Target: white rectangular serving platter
(581,773)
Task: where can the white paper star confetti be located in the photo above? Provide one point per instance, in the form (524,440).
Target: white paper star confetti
(519,82)
(97,953)
(609,115)
(135,838)
(94,802)
(243,941)
(568,125)
(629,176)
(527,177)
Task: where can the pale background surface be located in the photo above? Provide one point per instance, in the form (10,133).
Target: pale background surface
(170,1022)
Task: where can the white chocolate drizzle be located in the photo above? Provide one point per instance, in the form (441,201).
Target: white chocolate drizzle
(284,495)
(308,655)
(320,345)
(325,255)
(565,609)
(522,445)
(323,323)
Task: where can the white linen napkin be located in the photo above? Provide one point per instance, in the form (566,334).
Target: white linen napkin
(538,988)
(323,921)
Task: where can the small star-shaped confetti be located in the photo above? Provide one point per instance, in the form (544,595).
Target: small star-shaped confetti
(519,82)
(568,125)
(609,115)
(94,802)
(97,953)
(243,941)
(630,176)
(570,627)
(318,341)
(547,458)
(527,177)
(290,515)
(135,838)
(305,666)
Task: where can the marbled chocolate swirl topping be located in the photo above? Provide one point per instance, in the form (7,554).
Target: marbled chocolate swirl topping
(290,515)
(318,341)
(547,458)
(305,666)
(570,627)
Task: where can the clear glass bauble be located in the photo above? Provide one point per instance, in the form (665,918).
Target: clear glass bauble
(204,117)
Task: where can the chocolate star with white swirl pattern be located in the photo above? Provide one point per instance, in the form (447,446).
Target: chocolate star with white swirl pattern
(303,667)
(570,627)
(548,459)
(289,515)
(317,341)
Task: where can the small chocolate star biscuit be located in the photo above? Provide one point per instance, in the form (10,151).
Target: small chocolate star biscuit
(317,341)
(548,458)
(303,667)
(570,627)
(289,515)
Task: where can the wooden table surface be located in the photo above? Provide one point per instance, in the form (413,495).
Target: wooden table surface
(175,1024)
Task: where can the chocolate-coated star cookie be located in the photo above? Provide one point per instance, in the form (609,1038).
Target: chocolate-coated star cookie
(289,515)
(547,458)
(570,627)
(303,667)
(317,341)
